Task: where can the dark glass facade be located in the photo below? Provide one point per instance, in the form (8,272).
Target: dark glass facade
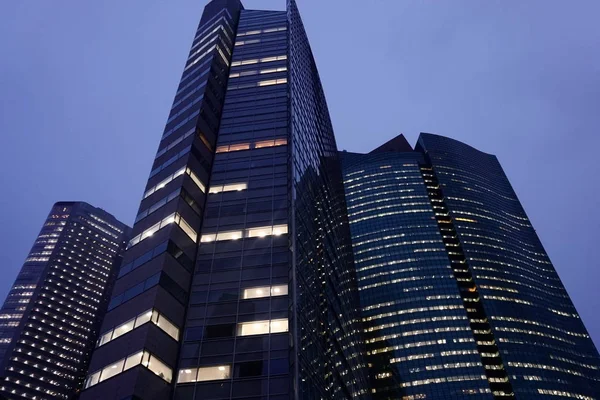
(50,320)
(459,297)
(239,280)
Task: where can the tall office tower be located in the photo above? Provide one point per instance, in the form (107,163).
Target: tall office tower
(459,298)
(239,281)
(50,320)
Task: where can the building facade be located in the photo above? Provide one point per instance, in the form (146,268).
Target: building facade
(459,297)
(241,253)
(50,320)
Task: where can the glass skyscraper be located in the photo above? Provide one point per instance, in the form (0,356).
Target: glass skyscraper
(239,280)
(459,298)
(50,320)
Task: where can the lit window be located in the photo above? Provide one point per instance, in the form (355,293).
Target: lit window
(151,315)
(123,329)
(262,327)
(280,230)
(208,238)
(173,218)
(159,368)
(240,146)
(201,374)
(265,291)
(112,370)
(260,232)
(133,360)
(141,357)
(255,293)
(228,188)
(253,328)
(231,235)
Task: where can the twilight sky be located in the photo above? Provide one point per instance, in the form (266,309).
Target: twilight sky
(86,86)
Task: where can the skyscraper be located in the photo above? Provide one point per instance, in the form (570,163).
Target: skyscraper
(239,280)
(50,320)
(459,297)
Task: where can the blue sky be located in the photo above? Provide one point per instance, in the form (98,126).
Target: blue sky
(85,88)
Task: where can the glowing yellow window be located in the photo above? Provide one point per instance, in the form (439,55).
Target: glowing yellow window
(264,143)
(239,146)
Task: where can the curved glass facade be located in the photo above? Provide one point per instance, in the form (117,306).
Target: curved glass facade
(545,347)
(459,298)
(419,341)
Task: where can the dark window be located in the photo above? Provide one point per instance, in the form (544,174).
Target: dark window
(247,369)
(219,331)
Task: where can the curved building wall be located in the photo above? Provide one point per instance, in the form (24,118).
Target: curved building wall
(543,343)
(419,341)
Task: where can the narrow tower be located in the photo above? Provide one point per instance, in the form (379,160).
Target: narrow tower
(241,257)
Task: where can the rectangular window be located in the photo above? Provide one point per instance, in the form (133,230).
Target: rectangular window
(280,230)
(211,237)
(105,338)
(262,231)
(279,325)
(231,235)
(143,318)
(141,357)
(147,316)
(279,290)
(214,373)
(112,370)
(92,380)
(123,328)
(160,368)
(168,327)
(187,375)
(255,293)
(133,360)
(253,328)
(228,188)
(175,217)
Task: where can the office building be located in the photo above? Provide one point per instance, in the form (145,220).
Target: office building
(50,320)
(459,298)
(239,281)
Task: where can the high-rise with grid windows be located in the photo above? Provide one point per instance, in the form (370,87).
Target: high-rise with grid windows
(50,320)
(459,298)
(239,281)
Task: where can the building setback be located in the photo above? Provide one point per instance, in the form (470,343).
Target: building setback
(50,320)
(239,280)
(459,298)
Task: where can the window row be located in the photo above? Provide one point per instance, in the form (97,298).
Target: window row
(275,38)
(190,83)
(164,182)
(257,84)
(147,316)
(257,72)
(170,161)
(187,107)
(134,291)
(258,31)
(263,231)
(173,218)
(231,187)
(167,246)
(179,125)
(265,291)
(157,205)
(142,357)
(254,145)
(175,143)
